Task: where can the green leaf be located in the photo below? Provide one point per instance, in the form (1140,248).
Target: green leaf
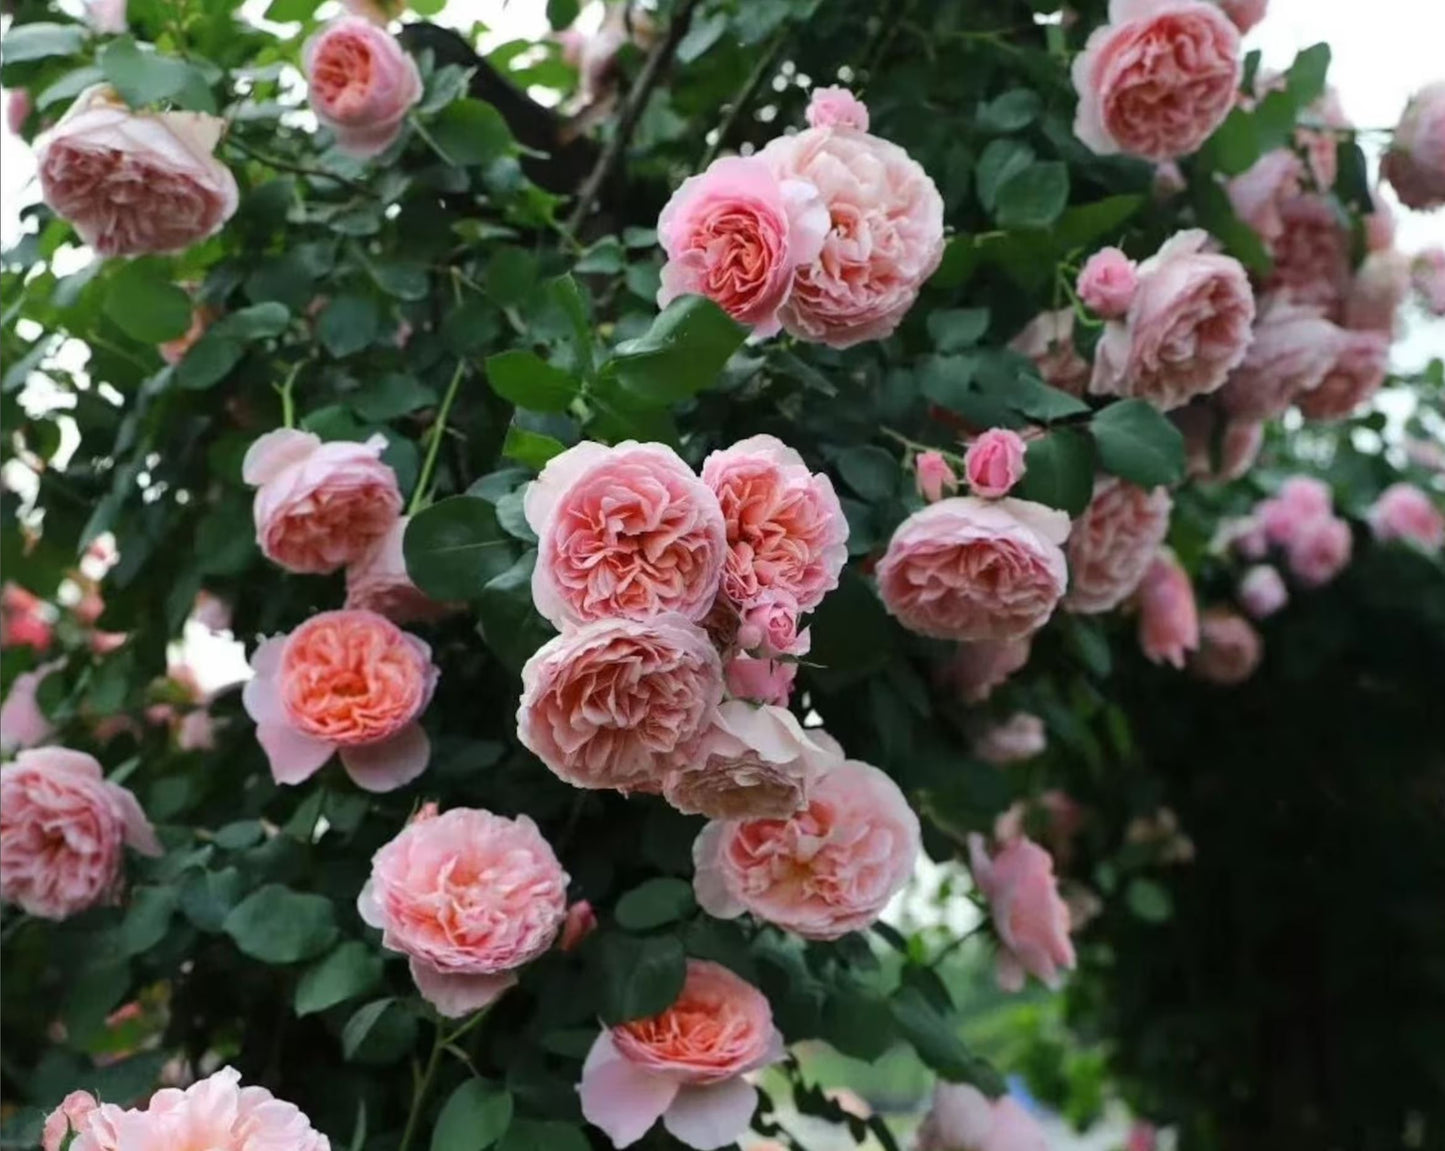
(1138,444)
(1033,197)
(510,624)
(454,547)
(386,397)
(1149,900)
(859,1023)
(471,132)
(530,448)
(1001,160)
(289,11)
(529,381)
(1235,145)
(208,362)
(1305,80)
(207,897)
(145,305)
(562,13)
(1216,214)
(957,328)
(543,1135)
(654,903)
(869,471)
(353,969)
(1084,225)
(379,1033)
(348,324)
(1059,471)
(142,78)
(1013,110)
(404,279)
(701,36)
(852,634)
(39,40)
(69,86)
(639,975)
(511,272)
(475,1117)
(257,322)
(681,354)
(938,1045)
(147,919)
(278,925)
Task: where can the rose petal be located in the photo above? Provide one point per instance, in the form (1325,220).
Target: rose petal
(294,757)
(619,1097)
(455,994)
(707,1117)
(390,764)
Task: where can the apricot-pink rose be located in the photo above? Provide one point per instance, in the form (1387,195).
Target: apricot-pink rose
(933,476)
(624,532)
(347,681)
(1293,348)
(62,829)
(1244,13)
(1260,192)
(1048,340)
(1415,163)
(1379,287)
(886,236)
(1262,591)
(1405,512)
(684,1065)
(1158,79)
(1168,614)
(784,527)
(836,108)
(319,506)
(770,626)
(608,704)
(963,1118)
(1229,647)
(1186,329)
(1107,283)
(135,182)
(378,582)
(1019,737)
(737,233)
(1301,500)
(1112,544)
(977,668)
(1320,550)
(361,83)
(827,870)
(1312,253)
(994,463)
(971,569)
(762,680)
(468,897)
(1031,919)
(1361,363)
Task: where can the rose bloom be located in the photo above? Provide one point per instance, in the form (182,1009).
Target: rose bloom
(933,476)
(216,1114)
(1187,328)
(1244,13)
(827,870)
(1362,361)
(1229,648)
(770,627)
(361,84)
(345,681)
(1113,543)
(319,506)
(977,668)
(1217,447)
(202,317)
(1019,737)
(468,897)
(784,526)
(1405,512)
(608,704)
(18,106)
(760,680)
(22,723)
(135,182)
(1312,254)
(750,763)
(67,1119)
(994,463)
(1301,500)
(628,532)
(1415,163)
(1262,591)
(970,569)
(23,621)
(1380,286)
(581,921)
(108,17)
(837,108)
(1108,282)
(1428,276)
(1062,819)
(1320,550)
(1260,193)
(1157,80)
(684,1065)
(62,830)
(885,240)
(963,1118)
(1030,917)
(378,582)
(1048,340)
(1293,348)
(1380,226)
(1168,615)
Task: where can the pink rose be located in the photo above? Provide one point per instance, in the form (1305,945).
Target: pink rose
(196,731)
(1157,79)
(1216,455)
(1362,360)
(1428,274)
(135,182)
(1168,614)
(1415,163)
(963,1118)
(361,84)
(1229,648)
(1260,193)
(1380,226)
(760,680)
(24,619)
(62,827)
(211,612)
(1320,550)
(836,108)
(737,234)
(108,17)
(67,1119)
(1113,543)
(1030,917)
(22,723)
(344,681)
(378,582)
(1245,14)
(18,106)
(319,506)
(1048,340)
(609,704)
(886,237)
(933,476)
(581,922)
(994,463)
(1062,820)
(977,668)
(217,1113)
(1019,737)
(750,763)
(1294,347)
(1301,500)
(1405,512)
(1108,282)
(1142,1137)
(202,317)
(468,897)
(685,1065)
(827,870)
(1312,254)
(784,526)
(970,569)
(770,627)
(1377,291)
(1262,591)
(1187,328)
(628,532)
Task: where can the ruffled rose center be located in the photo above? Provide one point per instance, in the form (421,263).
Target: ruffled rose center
(351,682)
(342,74)
(776,536)
(742,244)
(1168,84)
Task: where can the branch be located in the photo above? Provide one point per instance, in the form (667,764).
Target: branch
(297,169)
(745,96)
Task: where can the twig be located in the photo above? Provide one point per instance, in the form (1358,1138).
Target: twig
(439,428)
(632,110)
(298,169)
(745,96)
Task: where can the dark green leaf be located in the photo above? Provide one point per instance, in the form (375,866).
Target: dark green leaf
(654,903)
(145,305)
(1305,80)
(701,36)
(257,322)
(208,362)
(1235,145)
(957,328)
(937,1042)
(351,970)
(278,925)
(511,272)
(869,471)
(207,897)
(530,448)
(858,1023)
(147,919)
(510,624)
(454,547)
(543,1135)
(1033,197)
(1149,900)
(529,381)
(348,324)
(379,1033)
(1139,444)
(389,396)
(1000,160)
(1008,113)
(69,86)
(562,13)
(640,975)
(471,132)
(475,1117)
(682,353)
(142,77)
(1059,471)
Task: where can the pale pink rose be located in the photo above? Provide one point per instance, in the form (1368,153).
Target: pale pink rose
(770,627)
(628,532)
(1244,13)
(1063,819)
(609,704)
(1259,194)
(344,681)
(1262,592)
(1157,80)
(135,182)
(784,526)
(1113,543)
(202,317)
(977,668)
(62,828)
(18,106)
(1320,550)
(1361,363)
(1415,163)
(1301,500)
(1405,512)
(378,582)
(1244,535)
(1142,1137)
(994,463)
(1019,737)
(971,569)
(827,870)
(1312,254)
(108,17)
(1428,275)
(737,234)
(468,897)
(1380,226)
(1229,647)
(962,1118)
(1028,913)
(933,476)
(1377,291)
(885,240)
(1323,126)
(216,1114)
(836,108)
(684,1065)
(361,84)
(67,1119)
(22,723)
(1108,282)
(1293,348)
(1048,340)
(749,763)
(318,506)
(1217,448)
(196,731)
(1187,328)
(581,921)
(211,612)
(379,12)
(760,680)
(1168,614)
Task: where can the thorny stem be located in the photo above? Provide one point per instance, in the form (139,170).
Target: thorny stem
(438,430)
(914,445)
